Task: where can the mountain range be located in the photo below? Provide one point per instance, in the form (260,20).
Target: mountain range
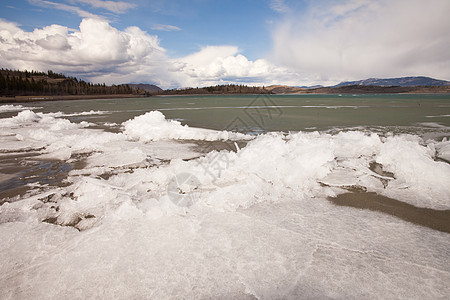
(402,81)
(412,84)
(28,84)
(416,84)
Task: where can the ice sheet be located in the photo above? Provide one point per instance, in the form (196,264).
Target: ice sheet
(296,249)
(256,223)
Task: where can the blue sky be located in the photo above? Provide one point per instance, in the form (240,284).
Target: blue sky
(195,23)
(175,43)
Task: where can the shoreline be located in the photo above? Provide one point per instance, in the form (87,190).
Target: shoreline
(27,99)
(21,99)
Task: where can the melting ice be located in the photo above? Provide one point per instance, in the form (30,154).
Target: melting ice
(256,225)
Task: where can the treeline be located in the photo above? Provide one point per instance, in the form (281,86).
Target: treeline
(34,83)
(219,89)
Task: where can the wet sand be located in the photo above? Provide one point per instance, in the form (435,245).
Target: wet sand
(434,219)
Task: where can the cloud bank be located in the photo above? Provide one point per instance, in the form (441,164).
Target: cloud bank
(354,39)
(99,52)
(224,64)
(95,49)
(323,43)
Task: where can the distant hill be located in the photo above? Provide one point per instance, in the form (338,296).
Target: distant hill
(219,90)
(311,87)
(402,81)
(365,89)
(149,88)
(284,89)
(374,89)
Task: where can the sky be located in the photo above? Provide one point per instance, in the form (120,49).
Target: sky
(181,43)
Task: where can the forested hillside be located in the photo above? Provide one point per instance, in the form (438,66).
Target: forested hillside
(31,83)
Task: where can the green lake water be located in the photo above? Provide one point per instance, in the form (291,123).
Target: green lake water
(261,113)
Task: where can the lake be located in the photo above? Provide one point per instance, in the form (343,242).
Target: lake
(264,113)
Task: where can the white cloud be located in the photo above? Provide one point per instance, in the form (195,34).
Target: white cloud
(64,7)
(96,51)
(54,42)
(354,39)
(279,6)
(164,27)
(113,6)
(224,64)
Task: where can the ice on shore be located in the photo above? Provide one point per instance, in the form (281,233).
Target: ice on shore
(311,164)
(443,150)
(13,108)
(153,126)
(259,224)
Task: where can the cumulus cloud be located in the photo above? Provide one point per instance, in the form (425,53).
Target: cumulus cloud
(95,51)
(224,64)
(54,42)
(98,52)
(354,39)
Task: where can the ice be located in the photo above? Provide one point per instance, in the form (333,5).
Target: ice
(443,150)
(300,162)
(83,113)
(149,217)
(439,116)
(57,138)
(433,125)
(127,157)
(13,108)
(292,250)
(425,181)
(153,126)
(26,116)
